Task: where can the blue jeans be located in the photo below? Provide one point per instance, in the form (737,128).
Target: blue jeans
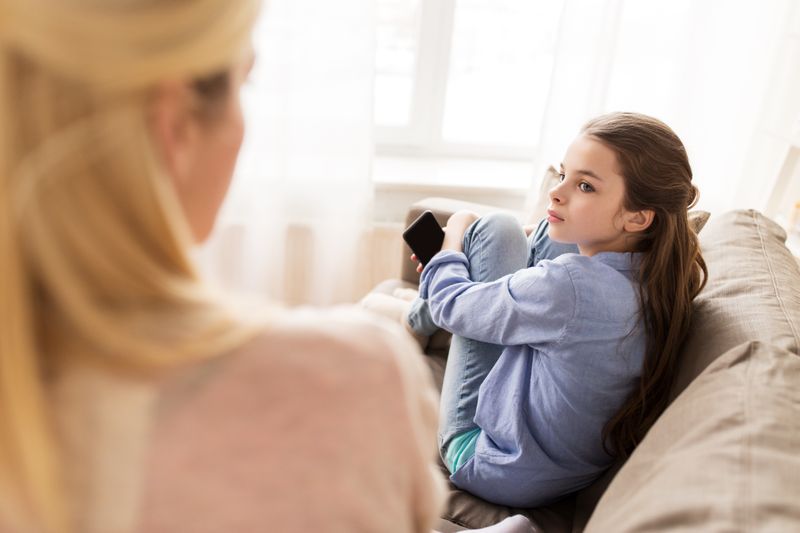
(495,246)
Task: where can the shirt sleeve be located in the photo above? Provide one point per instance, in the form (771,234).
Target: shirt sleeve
(531,306)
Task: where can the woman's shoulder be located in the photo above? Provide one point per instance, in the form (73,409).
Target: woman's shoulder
(305,369)
(346,335)
(317,399)
(316,351)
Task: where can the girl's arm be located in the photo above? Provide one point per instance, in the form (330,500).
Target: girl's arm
(531,306)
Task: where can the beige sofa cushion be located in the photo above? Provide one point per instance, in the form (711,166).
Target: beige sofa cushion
(753,292)
(722,457)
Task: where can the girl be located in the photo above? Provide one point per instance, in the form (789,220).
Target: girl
(131,397)
(557,368)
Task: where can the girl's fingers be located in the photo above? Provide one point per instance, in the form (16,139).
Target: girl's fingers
(419,268)
(413,257)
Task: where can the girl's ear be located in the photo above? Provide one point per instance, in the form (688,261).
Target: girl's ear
(637,221)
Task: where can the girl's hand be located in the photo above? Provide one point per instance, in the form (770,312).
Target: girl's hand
(454,232)
(456,227)
(419,265)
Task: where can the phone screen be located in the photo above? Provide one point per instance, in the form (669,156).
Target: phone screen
(424,236)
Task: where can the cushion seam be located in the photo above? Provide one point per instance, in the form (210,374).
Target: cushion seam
(794,331)
(747,458)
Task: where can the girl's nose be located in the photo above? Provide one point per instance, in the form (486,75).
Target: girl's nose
(555,194)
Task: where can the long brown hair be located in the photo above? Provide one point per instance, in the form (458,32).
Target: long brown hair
(654,164)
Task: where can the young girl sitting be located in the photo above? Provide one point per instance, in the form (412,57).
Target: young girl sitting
(559,361)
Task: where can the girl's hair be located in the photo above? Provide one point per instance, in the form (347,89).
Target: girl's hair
(94,249)
(658,177)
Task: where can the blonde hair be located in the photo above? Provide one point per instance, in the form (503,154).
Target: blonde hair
(94,250)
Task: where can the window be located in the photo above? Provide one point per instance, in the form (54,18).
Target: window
(463,78)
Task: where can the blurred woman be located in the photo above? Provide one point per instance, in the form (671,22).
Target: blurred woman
(132,398)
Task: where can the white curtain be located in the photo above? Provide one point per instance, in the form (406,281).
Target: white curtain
(292,228)
(723,74)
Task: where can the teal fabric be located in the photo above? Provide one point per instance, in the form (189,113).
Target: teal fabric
(461,448)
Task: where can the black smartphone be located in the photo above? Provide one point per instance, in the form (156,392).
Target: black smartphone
(424,236)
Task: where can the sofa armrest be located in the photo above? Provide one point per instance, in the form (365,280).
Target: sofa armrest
(441,208)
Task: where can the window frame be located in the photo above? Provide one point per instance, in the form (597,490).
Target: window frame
(422,136)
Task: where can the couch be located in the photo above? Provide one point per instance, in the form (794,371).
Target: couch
(725,455)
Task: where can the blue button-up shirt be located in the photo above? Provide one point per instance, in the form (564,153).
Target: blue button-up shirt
(574,346)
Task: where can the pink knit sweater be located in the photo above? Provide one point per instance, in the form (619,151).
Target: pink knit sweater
(325,422)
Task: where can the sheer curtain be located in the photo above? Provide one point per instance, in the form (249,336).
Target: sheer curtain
(723,74)
(293,226)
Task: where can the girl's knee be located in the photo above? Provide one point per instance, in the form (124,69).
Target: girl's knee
(500,229)
(498,223)
(495,245)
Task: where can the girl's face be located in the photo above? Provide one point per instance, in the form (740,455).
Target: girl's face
(586,206)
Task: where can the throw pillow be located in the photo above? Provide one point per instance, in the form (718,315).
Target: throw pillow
(698,219)
(753,292)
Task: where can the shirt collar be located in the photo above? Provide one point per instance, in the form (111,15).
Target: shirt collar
(620,260)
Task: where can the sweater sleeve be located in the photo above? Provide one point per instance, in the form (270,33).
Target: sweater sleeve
(421,408)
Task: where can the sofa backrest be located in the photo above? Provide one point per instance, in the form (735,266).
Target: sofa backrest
(723,456)
(752,294)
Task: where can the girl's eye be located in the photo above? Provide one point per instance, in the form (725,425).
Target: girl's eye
(585,187)
(561,177)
